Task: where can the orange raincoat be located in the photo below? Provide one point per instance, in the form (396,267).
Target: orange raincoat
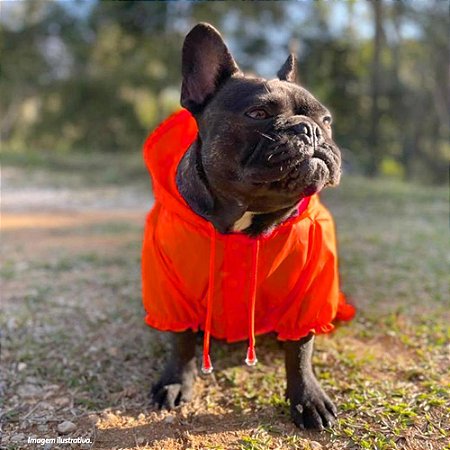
(230,285)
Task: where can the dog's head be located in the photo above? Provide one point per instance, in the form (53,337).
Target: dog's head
(267,143)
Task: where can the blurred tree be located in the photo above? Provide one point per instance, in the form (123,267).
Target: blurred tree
(23,63)
(375,113)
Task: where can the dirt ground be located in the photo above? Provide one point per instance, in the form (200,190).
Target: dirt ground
(78,360)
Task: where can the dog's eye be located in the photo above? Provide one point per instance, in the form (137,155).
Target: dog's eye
(326,120)
(258,114)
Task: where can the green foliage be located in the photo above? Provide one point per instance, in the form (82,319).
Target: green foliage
(99,75)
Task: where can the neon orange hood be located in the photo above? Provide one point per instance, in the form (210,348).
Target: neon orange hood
(230,285)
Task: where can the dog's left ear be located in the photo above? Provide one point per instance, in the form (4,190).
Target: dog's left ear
(206,65)
(288,71)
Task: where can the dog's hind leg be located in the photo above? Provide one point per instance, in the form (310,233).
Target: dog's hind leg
(176,383)
(310,406)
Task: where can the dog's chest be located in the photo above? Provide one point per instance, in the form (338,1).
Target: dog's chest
(244,221)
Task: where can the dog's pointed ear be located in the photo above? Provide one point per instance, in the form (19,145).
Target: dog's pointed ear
(288,71)
(206,65)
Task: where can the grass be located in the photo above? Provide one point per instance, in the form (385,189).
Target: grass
(75,346)
(78,169)
(395,237)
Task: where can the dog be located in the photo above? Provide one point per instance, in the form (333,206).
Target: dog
(250,156)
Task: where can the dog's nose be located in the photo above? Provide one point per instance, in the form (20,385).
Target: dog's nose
(303,128)
(307,129)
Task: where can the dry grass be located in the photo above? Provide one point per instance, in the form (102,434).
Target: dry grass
(75,346)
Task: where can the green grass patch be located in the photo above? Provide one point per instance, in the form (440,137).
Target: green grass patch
(80,169)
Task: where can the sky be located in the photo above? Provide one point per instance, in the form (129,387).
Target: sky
(339,12)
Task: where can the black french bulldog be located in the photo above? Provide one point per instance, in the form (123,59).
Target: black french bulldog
(262,146)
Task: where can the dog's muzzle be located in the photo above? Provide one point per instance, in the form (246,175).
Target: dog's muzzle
(295,156)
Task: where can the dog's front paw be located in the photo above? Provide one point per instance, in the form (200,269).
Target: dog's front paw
(169,396)
(311,408)
(175,386)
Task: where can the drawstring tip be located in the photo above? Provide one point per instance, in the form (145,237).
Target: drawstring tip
(251,359)
(207,367)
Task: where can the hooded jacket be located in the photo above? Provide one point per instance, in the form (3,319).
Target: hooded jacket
(230,285)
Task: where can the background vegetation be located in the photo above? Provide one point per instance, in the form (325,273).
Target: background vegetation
(97,76)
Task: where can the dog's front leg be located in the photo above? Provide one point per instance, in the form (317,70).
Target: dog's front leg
(176,383)
(310,406)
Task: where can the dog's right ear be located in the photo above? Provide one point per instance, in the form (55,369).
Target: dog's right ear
(288,71)
(206,65)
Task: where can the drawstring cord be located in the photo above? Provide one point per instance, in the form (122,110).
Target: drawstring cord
(206,361)
(250,359)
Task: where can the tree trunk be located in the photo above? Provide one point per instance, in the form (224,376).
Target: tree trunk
(374,133)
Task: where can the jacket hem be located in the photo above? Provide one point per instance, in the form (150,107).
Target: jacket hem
(282,335)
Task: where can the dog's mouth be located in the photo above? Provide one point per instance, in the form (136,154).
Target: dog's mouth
(294,163)
(311,175)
